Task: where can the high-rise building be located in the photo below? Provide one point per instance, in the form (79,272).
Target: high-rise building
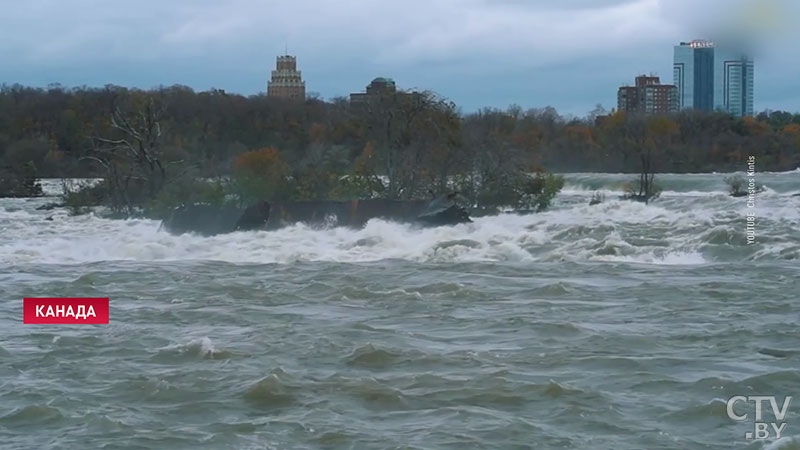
(648,96)
(713,78)
(733,82)
(286,81)
(693,74)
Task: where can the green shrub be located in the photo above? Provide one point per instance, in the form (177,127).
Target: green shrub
(520,191)
(261,175)
(79,197)
(186,190)
(538,192)
(738,186)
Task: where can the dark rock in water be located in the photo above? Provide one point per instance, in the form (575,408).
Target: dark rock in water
(356,213)
(314,213)
(738,194)
(209,220)
(443,210)
(450,216)
(203,219)
(439,204)
(49,206)
(49,218)
(254,217)
(636,198)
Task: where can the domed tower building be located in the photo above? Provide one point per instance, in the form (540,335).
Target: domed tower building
(379,86)
(286,81)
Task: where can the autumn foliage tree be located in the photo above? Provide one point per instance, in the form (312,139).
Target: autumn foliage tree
(261,175)
(501,157)
(412,137)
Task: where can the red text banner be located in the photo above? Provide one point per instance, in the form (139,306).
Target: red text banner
(63,310)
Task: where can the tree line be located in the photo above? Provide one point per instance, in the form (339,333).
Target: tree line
(399,145)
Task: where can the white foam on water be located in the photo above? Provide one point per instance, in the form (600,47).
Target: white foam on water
(201,347)
(52,187)
(667,259)
(206,346)
(614,193)
(668,231)
(784,443)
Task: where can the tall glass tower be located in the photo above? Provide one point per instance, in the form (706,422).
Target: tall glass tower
(733,82)
(713,78)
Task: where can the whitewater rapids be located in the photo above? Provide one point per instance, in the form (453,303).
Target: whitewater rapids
(617,326)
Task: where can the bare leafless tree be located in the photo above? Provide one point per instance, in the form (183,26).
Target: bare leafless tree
(132,159)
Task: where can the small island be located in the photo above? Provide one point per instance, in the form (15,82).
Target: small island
(157,151)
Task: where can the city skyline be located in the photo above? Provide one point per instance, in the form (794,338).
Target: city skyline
(570,55)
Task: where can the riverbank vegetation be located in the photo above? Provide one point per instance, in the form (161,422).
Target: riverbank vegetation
(158,147)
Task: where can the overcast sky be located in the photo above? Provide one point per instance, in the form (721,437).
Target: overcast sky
(570,54)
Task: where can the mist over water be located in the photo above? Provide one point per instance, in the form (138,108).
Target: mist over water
(620,325)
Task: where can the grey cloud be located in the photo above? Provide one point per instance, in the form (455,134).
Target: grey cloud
(480,52)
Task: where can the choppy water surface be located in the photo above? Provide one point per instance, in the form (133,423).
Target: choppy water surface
(617,326)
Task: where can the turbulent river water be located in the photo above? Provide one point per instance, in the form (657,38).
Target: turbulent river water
(614,326)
